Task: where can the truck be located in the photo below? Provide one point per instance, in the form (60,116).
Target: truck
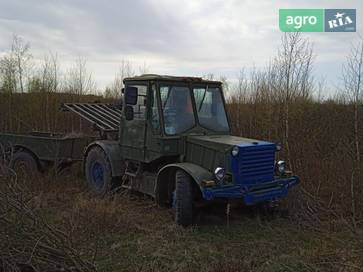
(169,138)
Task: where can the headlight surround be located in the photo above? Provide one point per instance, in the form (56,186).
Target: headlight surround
(281,167)
(235,151)
(220,173)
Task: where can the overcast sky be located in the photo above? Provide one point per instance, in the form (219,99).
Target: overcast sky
(176,37)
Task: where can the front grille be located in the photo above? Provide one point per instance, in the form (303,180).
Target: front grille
(256,163)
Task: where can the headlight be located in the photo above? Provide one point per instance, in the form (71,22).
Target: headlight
(278,146)
(235,151)
(219,173)
(281,167)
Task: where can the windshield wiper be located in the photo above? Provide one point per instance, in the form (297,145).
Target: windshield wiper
(201,102)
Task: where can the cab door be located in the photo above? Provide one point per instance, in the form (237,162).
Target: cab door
(133,131)
(153,128)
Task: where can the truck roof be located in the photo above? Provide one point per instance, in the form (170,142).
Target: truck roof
(147,77)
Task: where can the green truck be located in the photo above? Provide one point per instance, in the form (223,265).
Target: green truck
(170,138)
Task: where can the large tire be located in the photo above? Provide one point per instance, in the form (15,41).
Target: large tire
(24,164)
(98,172)
(183,199)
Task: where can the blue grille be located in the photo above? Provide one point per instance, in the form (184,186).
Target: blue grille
(255,163)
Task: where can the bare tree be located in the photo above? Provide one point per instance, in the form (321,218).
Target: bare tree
(20,51)
(8,74)
(292,77)
(353,84)
(226,85)
(8,84)
(78,79)
(125,70)
(49,81)
(239,98)
(320,89)
(13,67)
(49,73)
(241,87)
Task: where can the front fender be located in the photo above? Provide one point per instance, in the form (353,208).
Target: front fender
(112,150)
(165,181)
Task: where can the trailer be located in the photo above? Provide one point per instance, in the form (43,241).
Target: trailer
(34,153)
(37,152)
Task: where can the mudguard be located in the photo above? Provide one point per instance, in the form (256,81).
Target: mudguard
(167,174)
(112,150)
(197,172)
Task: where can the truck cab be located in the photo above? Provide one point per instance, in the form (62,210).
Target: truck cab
(174,143)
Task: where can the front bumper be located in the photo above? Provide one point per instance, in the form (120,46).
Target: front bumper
(252,194)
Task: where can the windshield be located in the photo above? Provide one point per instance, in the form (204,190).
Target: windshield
(210,108)
(177,109)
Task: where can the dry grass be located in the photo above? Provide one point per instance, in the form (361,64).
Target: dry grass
(30,242)
(129,233)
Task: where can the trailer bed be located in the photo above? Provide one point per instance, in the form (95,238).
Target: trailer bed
(47,146)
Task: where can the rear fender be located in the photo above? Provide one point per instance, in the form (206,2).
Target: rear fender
(112,150)
(165,181)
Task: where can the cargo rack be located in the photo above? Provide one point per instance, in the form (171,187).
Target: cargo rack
(104,117)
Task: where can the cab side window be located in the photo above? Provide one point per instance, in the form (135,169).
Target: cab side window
(140,107)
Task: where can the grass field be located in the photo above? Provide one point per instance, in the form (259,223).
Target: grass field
(129,233)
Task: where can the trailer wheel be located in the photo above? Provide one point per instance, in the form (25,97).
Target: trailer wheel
(183,199)
(98,171)
(24,164)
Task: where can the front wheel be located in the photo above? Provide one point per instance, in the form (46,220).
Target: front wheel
(183,199)
(98,171)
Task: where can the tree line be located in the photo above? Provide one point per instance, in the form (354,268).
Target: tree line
(322,138)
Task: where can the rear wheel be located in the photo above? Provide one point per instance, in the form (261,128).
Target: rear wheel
(183,199)
(98,171)
(24,164)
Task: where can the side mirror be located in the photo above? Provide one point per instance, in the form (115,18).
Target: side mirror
(129,113)
(130,95)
